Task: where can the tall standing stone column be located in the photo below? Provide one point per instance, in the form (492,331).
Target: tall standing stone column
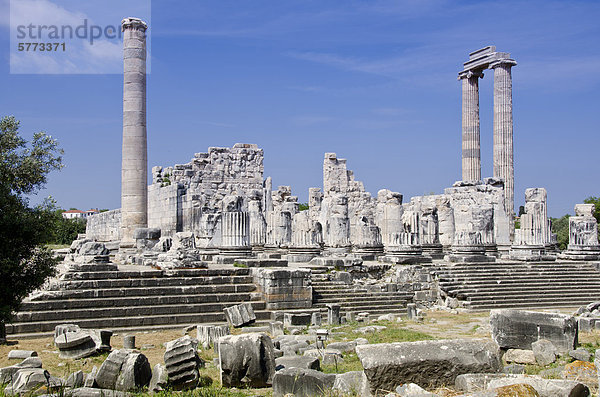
(503,130)
(134,171)
(471,147)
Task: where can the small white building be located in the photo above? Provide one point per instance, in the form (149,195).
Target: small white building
(74,214)
(91,212)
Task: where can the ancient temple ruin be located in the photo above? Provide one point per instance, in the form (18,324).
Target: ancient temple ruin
(229,209)
(214,232)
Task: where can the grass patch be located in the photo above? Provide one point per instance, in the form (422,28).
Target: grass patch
(240,265)
(350,363)
(57,246)
(390,335)
(393,333)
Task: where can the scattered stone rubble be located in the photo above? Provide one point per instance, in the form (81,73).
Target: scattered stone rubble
(588,316)
(182,363)
(220,209)
(293,363)
(240,315)
(518,329)
(75,343)
(246,360)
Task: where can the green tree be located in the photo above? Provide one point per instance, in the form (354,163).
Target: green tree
(24,262)
(63,230)
(302,206)
(560,226)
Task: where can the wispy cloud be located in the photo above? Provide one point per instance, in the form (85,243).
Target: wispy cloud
(311,120)
(73,23)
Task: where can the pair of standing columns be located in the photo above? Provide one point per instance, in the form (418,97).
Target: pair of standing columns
(503,127)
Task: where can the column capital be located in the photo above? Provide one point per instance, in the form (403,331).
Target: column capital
(134,23)
(502,62)
(467,74)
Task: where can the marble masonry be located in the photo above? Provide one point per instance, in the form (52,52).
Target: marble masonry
(220,207)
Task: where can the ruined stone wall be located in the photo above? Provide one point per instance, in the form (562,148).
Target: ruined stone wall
(220,172)
(163,204)
(105,226)
(479,213)
(338,181)
(189,197)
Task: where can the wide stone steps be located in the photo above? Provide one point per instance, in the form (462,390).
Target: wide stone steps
(139,299)
(514,287)
(68,315)
(67,304)
(152,282)
(528,303)
(154,291)
(563,295)
(520,285)
(135,322)
(154,273)
(357,299)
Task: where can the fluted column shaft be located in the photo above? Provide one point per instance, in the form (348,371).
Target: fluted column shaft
(503,131)
(235,229)
(471,147)
(134,171)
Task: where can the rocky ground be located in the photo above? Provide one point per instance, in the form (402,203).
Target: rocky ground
(434,325)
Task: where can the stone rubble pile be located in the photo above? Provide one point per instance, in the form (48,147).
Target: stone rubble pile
(240,315)
(588,316)
(182,363)
(75,343)
(293,364)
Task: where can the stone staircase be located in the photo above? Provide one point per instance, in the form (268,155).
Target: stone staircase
(357,299)
(139,299)
(520,285)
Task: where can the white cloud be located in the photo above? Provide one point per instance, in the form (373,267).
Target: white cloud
(104,55)
(311,120)
(42,12)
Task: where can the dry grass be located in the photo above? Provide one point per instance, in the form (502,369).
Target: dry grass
(63,367)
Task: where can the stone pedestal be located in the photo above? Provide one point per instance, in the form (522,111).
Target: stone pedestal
(284,288)
(503,130)
(279,230)
(134,171)
(333,314)
(307,238)
(389,217)
(429,231)
(405,247)
(469,247)
(336,230)
(235,234)
(471,147)
(258,224)
(405,254)
(583,235)
(534,236)
(366,240)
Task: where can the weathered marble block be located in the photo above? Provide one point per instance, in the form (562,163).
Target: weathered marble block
(426,363)
(240,315)
(246,360)
(208,335)
(284,288)
(518,329)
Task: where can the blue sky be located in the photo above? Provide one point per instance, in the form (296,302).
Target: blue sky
(374,81)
